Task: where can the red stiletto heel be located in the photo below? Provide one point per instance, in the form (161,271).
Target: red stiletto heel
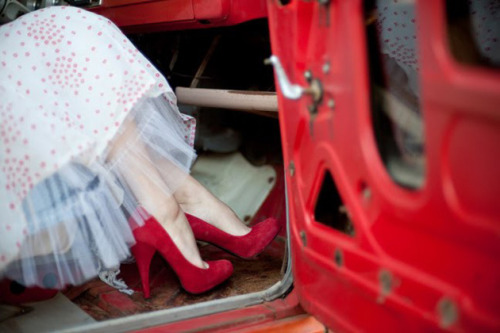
(143,254)
(246,246)
(152,237)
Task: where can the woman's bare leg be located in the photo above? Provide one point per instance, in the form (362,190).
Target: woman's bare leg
(196,200)
(149,189)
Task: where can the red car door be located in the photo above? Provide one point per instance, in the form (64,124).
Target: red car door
(369,253)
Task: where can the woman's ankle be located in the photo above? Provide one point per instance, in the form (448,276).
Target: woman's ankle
(194,199)
(220,216)
(171,217)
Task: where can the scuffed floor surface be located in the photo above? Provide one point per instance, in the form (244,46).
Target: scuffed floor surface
(102,302)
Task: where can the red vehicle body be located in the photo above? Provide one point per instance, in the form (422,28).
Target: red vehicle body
(423,259)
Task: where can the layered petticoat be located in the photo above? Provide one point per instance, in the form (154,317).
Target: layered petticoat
(81,110)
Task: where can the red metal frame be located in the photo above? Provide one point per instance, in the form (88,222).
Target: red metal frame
(239,319)
(157,15)
(420,260)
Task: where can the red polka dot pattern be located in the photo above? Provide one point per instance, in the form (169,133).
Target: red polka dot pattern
(63,100)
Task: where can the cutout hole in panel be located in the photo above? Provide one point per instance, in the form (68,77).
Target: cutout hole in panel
(330,210)
(395,92)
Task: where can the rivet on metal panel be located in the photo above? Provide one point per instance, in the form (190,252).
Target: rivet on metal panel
(366,192)
(447,311)
(339,257)
(308,76)
(303,237)
(331,103)
(326,67)
(386,283)
(291,168)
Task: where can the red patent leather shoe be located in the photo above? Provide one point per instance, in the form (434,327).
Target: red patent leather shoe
(151,237)
(246,246)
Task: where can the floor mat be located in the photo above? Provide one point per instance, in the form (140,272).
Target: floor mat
(232,179)
(103,302)
(48,316)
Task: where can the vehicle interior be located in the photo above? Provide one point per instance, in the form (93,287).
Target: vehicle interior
(239,160)
(371,235)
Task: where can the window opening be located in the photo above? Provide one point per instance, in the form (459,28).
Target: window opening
(391,30)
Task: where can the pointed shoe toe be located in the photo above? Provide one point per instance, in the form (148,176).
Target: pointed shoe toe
(217,272)
(151,238)
(246,246)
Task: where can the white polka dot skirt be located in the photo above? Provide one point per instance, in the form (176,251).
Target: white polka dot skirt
(81,109)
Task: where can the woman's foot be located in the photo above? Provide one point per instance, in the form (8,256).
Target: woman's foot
(175,223)
(152,237)
(246,246)
(196,200)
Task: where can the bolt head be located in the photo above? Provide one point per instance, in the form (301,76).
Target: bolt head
(448,312)
(326,67)
(308,75)
(331,103)
(291,168)
(367,193)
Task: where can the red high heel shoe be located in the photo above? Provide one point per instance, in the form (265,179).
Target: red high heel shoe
(246,246)
(151,237)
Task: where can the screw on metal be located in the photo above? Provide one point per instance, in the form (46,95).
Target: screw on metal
(331,103)
(366,192)
(326,67)
(303,236)
(291,168)
(447,311)
(339,257)
(308,75)
(386,282)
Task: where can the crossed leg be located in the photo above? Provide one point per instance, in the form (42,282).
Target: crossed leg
(149,188)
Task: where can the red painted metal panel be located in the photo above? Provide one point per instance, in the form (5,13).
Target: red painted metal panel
(420,260)
(158,15)
(297,324)
(215,11)
(145,13)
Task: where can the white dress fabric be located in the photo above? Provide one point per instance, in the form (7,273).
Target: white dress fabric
(70,84)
